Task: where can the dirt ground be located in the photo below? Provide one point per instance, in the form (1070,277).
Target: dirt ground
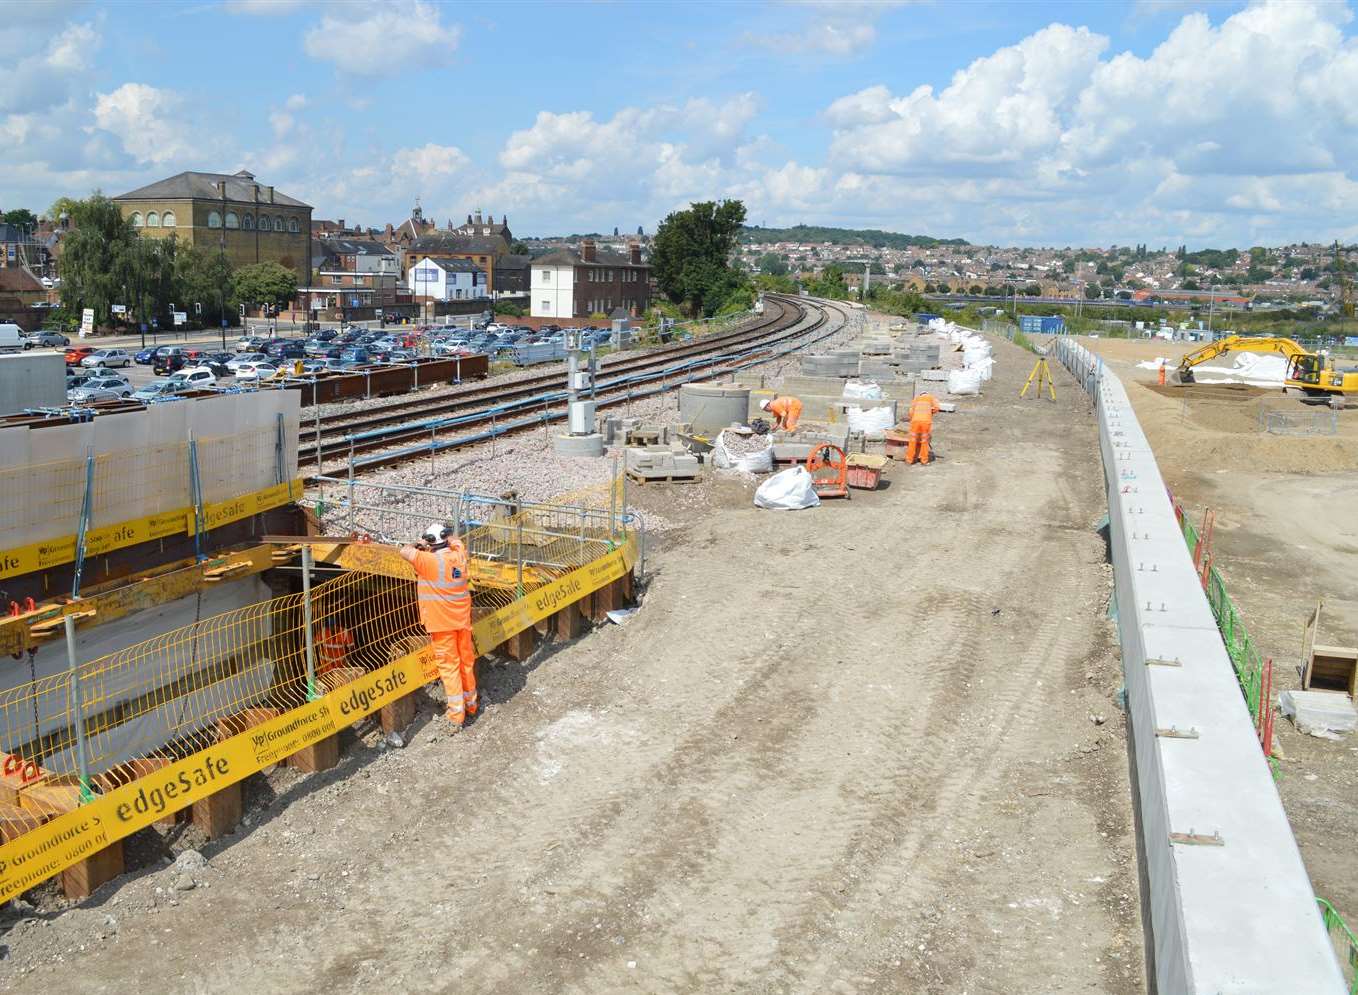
(869,747)
(1286,534)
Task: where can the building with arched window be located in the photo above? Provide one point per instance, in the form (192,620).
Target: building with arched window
(248,220)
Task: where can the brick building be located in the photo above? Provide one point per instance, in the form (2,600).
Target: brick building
(570,284)
(250,221)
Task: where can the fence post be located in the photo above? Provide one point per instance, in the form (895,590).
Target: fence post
(316,407)
(78,710)
(86,513)
(196,490)
(351,487)
(518,542)
(613,500)
(279,450)
(311,694)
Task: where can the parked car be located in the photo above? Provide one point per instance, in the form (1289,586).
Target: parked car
(168,359)
(246,359)
(326,334)
(356,356)
(144,357)
(107,357)
(251,343)
(46,339)
(194,377)
(255,372)
(76,353)
(311,366)
(100,389)
(158,390)
(285,349)
(75,376)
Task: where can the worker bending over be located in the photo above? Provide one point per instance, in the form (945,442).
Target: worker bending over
(922,411)
(786,411)
(445,599)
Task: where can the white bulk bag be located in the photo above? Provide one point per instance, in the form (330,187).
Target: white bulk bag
(862,390)
(964,382)
(787,490)
(872,422)
(757,462)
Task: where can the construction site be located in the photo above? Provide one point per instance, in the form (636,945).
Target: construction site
(825,651)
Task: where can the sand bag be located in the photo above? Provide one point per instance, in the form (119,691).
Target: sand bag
(787,490)
(751,453)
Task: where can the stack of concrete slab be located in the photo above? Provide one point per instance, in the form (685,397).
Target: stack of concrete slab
(842,363)
(660,463)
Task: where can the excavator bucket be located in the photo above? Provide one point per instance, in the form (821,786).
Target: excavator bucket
(1179,376)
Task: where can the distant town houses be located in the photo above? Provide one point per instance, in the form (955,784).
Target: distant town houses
(444,280)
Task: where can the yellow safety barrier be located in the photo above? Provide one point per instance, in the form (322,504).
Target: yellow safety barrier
(169,721)
(135,495)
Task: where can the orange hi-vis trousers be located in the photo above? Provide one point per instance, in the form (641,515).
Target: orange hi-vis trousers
(918,444)
(456,659)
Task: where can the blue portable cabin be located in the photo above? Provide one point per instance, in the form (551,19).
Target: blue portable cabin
(1038,324)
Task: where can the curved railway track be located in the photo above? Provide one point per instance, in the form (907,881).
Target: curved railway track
(390,433)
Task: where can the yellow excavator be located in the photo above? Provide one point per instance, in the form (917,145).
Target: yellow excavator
(1306,371)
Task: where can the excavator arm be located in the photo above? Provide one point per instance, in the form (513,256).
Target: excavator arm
(1239,343)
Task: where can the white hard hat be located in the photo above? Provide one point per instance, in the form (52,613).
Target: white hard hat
(764,405)
(436,532)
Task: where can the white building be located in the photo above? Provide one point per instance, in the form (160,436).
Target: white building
(569,284)
(447,280)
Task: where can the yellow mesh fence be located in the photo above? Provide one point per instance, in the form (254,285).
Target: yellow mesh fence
(127,713)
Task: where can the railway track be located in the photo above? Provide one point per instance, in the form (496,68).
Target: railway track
(391,433)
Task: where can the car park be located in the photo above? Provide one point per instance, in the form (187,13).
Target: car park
(107,357)
(100,389)
(46,339)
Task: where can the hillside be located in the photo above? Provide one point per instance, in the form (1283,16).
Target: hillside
(754,235)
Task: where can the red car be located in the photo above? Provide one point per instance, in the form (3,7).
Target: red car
(76,353)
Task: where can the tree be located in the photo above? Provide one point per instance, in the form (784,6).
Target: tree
(1032,290)
(1067,265)
(519,249)
(929,288)
(21,217)
(97,262)
(1308,273)
(772,264)
(1191,284)
(691,255)
(976,290)
(1093,292)
(203,276)
(265,283)
(876,268)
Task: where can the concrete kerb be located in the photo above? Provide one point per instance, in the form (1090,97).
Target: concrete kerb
(1231,906)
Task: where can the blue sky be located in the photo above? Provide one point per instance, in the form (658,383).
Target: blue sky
(1048,124)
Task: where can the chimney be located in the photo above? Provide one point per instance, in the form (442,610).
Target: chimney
(635,249)
(341,224)
(478,215)
(469,219)
(587,250)
(221,189)
(270,190)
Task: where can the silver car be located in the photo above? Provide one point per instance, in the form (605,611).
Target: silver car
(100,389)
(107,358)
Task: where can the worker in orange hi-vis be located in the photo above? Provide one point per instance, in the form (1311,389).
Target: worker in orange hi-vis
(786,411)
(445,600)
(922,411)
(333,643)
(1162,373)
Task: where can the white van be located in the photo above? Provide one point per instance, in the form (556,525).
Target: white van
(11,338)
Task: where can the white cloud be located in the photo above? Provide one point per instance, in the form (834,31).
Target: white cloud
(429,162)
(265,8)
(407,34)
(840,28)
(146,121)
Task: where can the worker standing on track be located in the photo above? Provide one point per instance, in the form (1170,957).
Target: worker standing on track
(786,410)
(922,411)
(445,600)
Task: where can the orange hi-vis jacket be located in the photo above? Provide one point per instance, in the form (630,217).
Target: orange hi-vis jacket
(441,586)
(789,409)
(922,410)
(333,646)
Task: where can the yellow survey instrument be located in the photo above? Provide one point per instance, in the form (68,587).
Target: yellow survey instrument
(1042,376)
(1306,371)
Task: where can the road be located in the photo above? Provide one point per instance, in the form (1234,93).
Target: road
(870,747)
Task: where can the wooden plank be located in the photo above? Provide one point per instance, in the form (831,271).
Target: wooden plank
(83,879)
(219,813)
(320,755)
(15,821)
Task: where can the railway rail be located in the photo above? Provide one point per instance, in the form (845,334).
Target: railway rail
(393,433)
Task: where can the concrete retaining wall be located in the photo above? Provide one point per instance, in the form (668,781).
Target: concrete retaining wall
(1233,911)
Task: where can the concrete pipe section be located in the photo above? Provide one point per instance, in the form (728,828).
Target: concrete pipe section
(579,445)
(711,408)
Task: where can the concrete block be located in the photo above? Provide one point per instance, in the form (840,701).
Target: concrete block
(933,376)
(1327,714)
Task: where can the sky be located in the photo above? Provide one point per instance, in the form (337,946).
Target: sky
(1163,122)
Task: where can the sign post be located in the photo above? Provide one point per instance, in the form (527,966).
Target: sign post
(87,322)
